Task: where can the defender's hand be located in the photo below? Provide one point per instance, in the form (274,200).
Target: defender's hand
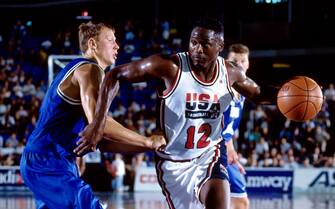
(157,141)
(232,156)
(240,167)
(89,140)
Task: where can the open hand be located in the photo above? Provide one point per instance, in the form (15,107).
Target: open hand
(88,142)
(240,167)
(232,156)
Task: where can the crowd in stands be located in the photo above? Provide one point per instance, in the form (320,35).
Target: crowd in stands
(265,138)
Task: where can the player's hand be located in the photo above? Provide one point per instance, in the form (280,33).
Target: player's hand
(232,156)
(240,167)
(89,140)
(158,141)
(232,65)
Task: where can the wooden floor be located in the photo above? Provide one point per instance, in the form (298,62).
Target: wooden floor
(155,200)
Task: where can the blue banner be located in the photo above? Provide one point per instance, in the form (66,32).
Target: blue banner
(269,180)
(10,176)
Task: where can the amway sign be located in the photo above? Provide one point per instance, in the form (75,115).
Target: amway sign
(269,180)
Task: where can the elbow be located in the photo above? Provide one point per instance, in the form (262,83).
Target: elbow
(257,91)
(256,97)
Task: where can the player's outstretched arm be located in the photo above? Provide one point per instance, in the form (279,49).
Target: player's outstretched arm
(112,145)
(129,140)
(249,88)
(153,67)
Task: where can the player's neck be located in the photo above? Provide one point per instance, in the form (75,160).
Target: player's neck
(206,74)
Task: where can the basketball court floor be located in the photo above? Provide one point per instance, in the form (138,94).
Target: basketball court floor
(155,200)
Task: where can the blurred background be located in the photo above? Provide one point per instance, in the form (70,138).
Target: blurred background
(286,38)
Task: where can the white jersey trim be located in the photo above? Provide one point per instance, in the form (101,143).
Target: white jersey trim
(229,86)
(162,183)
(60,93)
(211,82)
(210,169)
(68,99)
(175,82)
(239,195)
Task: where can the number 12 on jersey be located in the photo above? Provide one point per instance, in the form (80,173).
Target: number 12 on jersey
(202,142)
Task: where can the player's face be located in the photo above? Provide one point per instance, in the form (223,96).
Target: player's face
(204,47)
(239,58)
(107,47)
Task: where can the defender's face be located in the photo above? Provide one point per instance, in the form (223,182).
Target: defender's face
(239,58)
(107,46)
(204,47)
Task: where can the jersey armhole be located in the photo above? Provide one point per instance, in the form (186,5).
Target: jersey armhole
(226,74)
(62,94)
(166,93)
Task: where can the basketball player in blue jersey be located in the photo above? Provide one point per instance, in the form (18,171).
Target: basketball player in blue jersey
(239,54)
(195,89)
(48,163)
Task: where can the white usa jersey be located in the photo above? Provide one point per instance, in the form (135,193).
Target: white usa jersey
(192,111)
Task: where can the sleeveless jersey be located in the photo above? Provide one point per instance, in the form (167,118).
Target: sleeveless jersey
(192,111)
(232,118)
(61,118)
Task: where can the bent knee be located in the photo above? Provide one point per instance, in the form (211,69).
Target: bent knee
(239,203)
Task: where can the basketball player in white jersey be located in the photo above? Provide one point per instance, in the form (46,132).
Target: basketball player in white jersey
(239,54)
(195,91)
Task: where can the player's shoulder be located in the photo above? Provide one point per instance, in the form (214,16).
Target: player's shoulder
(88,70)
(163,56)
(164,60)
(89,66)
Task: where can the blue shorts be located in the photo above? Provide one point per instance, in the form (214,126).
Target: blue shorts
(55,182)
(237,181)
(220,167)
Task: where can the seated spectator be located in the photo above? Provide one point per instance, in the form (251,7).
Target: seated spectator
(12,140)
(329,93)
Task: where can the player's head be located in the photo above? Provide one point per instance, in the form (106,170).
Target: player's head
(98,41)
(206,42)
(239,53)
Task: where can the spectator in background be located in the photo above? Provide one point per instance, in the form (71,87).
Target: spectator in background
(3,108)
(306,163)
(120,171)
(12,140)
(284,145)
(262,146)
(29,88)
(291,163)
(1,144)
(321,137)
(119,111)
(329,93)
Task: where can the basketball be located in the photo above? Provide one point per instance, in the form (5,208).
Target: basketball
(300,99)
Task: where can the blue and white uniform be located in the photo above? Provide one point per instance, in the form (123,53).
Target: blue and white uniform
(232,118)
(48,164)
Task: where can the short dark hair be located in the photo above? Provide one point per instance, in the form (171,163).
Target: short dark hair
(211,24)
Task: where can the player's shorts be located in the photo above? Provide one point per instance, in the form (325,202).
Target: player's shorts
(55,182)
(181,181)
(237,182)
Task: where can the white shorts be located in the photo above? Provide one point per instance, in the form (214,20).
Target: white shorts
(181,181)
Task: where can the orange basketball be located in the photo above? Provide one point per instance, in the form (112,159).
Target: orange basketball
(300,99)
